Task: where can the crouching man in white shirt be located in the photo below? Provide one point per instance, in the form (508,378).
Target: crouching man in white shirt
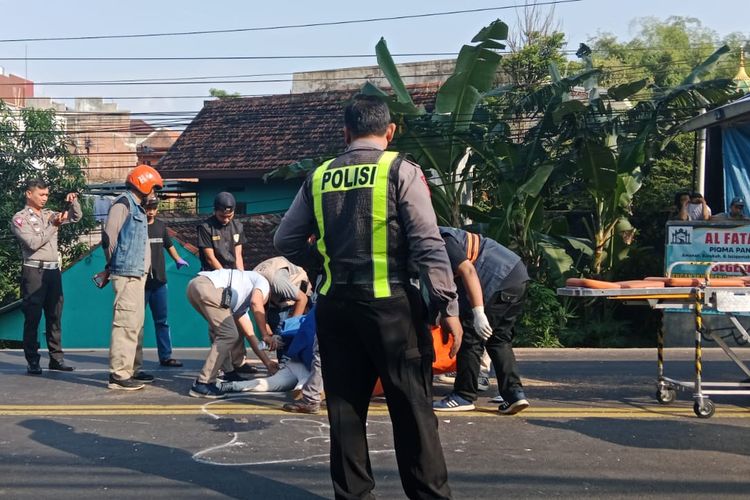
(224,297)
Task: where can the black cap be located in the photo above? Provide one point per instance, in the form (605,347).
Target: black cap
(151,202)
(738,201)
(224,202)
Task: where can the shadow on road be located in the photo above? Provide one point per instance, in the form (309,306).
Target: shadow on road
(680,434)
(101,454)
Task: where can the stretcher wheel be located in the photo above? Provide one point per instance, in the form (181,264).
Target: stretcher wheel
(705,410)
(666,395)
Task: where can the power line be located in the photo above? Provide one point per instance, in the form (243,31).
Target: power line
(286,26)
(223,58)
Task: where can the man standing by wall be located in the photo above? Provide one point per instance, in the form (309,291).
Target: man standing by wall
(36,228)
(128,255)
(157,294)
(371,214)
(220,237)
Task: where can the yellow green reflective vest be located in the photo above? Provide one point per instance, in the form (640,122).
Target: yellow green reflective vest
(361,241)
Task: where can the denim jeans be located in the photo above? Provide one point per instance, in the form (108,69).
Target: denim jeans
(157,300)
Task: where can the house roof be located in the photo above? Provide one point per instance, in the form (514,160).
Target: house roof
(259,230)
(140,127)
(249,137)
(160,140)
(735,112)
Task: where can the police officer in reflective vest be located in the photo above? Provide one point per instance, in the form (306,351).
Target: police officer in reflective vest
(371,214)
(36,228)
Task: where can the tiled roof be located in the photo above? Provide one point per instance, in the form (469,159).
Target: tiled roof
(161,139)
(248,137)
(259,230)
(138,126)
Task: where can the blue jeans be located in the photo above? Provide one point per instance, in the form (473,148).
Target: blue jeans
(157,299)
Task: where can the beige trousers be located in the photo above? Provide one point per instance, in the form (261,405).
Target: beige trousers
(126,344)
(222,330)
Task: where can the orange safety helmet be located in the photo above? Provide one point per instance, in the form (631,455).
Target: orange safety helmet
(144,178)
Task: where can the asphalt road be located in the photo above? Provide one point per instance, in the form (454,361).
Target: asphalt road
(594,430)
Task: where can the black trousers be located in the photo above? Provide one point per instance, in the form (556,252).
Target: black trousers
(41,290)
(361,340)
(502,310)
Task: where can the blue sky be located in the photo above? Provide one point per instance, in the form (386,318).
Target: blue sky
(36,18)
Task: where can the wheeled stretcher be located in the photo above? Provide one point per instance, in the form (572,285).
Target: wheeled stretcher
(726,296)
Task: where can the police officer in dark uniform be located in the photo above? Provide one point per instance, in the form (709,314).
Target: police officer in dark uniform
(371,213)
(41,281)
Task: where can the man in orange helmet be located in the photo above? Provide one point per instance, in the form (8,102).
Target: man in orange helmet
(128,254)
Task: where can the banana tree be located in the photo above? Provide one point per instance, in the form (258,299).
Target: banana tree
(442,141)
(612,146)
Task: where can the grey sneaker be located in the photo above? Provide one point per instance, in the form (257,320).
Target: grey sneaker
(483,383)
(129,384)
(208,391)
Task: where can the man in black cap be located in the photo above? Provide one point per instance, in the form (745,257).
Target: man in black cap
(220,240)
(220,237)
(736,211)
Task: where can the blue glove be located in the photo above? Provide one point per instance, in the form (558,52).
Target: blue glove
(182,263)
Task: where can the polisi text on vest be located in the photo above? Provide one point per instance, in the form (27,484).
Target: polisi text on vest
(349,177)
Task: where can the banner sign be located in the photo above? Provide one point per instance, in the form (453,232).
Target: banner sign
(727,245)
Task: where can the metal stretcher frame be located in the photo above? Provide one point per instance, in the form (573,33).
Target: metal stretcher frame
(724,300)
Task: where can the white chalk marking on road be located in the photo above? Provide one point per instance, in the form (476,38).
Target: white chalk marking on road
(319,427)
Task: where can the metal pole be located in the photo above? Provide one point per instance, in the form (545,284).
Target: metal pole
(701,174)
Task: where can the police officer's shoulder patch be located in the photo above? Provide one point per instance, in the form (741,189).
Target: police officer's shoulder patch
(18,221)
(236,238)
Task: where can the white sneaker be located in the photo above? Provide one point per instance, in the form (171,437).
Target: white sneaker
(497,399)
(446,378)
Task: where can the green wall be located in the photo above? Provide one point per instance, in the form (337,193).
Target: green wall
(87,314)
(260,198)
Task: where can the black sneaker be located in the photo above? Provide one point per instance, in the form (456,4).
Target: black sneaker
(513,404)
(129,384)
(143,377)
(232,377)
(208,391)
(60,366)
(34,369)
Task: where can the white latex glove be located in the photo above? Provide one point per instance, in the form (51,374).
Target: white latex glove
(481,323)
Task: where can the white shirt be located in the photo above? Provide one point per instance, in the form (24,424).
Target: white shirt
(243,284)
(695,211)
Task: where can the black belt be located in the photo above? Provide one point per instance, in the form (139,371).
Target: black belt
(41,264)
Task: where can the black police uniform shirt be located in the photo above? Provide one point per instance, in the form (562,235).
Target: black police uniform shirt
(159,239)
(490,275)
(222,239)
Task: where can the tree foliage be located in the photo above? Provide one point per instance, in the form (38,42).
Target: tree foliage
(33,144)
(663,51)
